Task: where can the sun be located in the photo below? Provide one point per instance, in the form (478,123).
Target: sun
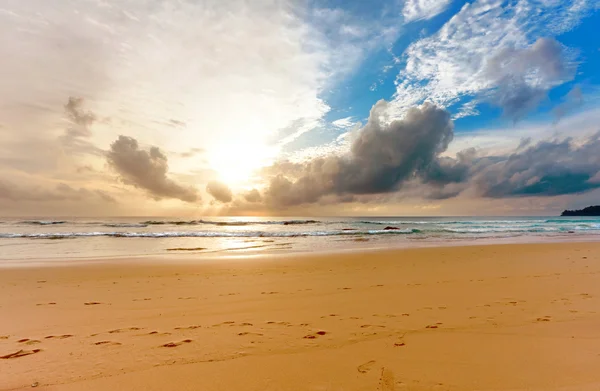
(237,163)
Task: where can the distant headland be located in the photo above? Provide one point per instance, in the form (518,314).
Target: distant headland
(589,211)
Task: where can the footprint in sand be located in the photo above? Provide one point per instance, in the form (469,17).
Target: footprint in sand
(366,367)
(366,326)
(4,336)
(157,333)
(227,323)
(313,336)
(185,328)
(386,381)
(64,336)
(107,343)
(20,353)
(544,319)
(175,344)
(51,303)
(279,323)
(92,303)
(249,333)
(115,331)
(27,341)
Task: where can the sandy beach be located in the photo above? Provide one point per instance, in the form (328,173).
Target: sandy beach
(497,317)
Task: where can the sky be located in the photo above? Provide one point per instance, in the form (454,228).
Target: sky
(308,107)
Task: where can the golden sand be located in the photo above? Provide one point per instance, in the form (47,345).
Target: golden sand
(502,317)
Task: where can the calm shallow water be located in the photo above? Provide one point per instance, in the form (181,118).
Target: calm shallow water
(25,239)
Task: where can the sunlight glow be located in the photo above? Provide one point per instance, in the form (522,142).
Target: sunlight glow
(236,163)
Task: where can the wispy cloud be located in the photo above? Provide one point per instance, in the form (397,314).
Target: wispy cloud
(423,9)
(457,61)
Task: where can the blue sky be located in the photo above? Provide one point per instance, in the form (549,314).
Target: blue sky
(299,107)
(377,74)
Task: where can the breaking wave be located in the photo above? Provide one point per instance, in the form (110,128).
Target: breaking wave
(230,223)
(43,222)
(204,234)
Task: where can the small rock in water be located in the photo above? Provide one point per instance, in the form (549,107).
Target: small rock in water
(388,228)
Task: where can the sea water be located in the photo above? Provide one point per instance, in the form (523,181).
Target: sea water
(56,239)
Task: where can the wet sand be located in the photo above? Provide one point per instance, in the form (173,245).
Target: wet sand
(498,317)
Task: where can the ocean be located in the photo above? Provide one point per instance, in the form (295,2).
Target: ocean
(25,240)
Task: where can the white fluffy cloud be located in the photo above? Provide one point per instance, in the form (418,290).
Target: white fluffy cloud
(423,9)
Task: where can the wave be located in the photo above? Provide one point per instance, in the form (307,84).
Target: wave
(572,221)
(43,222)
(454,222)
(124,225)
(229,223)
(451,231)
(203,234)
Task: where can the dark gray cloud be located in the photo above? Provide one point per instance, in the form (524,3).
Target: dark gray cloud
(381,158)
(524,75)
(220,191)
(403,158)
(547,168)
(146,169)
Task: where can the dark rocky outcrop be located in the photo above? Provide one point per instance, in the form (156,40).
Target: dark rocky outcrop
(589,211)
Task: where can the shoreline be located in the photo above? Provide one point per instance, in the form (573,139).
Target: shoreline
(489,317)
(233,254)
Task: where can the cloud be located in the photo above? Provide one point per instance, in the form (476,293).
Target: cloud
(220,191)
(548,168)
(382,156)
(491,50)
(344,123)
(263,60)
(192,152)
(146,170)
(352,32)
(391,160)
(523,76)
(545,169)
(77,136)
(423,9)
(253,196)
(74,111)
(61,192)
(571,101)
